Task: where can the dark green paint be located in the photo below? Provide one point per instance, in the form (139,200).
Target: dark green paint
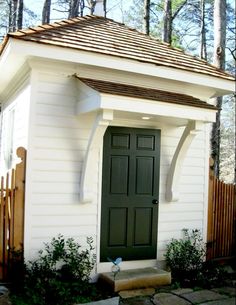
(131,162)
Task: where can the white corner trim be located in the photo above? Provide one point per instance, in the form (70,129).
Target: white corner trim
(101,122)
(172,186)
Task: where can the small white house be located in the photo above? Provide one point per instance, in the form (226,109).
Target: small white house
(116,126)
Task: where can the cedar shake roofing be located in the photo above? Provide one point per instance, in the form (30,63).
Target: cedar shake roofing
(105,36)
(146,93)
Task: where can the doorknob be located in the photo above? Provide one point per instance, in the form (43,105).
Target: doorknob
(154,201)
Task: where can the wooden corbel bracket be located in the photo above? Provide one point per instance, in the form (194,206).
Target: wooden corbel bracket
(101,122)
(172,186)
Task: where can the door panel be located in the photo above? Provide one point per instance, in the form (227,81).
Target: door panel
(144,175)
(118,227)
(142,227)
(131,161)
(119,175)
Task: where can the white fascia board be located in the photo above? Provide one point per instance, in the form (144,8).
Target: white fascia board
(23,48)
(10,63)
(152,108)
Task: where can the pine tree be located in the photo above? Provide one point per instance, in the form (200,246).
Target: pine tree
(219,62)
(146,16)
(46,12)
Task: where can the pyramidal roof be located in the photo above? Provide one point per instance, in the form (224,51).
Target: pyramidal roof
(105,36)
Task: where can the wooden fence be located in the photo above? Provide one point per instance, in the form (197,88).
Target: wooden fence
(221,233)
(12,191)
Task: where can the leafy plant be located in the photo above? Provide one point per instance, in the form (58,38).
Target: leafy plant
(185,256)
(60,275)
(186,259)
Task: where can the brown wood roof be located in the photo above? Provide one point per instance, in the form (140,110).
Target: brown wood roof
(145,93)
(105,36)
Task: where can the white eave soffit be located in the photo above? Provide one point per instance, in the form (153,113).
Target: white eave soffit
(91,100)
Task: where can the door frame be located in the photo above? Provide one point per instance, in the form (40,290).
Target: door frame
(106,266)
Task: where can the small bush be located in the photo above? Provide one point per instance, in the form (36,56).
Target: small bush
(186,259)
(185,256)
(60,275)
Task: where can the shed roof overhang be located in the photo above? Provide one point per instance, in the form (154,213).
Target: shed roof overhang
(16,53)
(113,102)
(95,95)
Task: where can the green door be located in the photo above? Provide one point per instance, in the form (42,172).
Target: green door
(130,189)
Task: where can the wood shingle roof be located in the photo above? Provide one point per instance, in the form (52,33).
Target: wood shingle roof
(145,93)
(107,37)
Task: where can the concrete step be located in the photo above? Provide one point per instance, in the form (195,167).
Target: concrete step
(136,278)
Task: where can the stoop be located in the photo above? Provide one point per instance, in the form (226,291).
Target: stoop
(136,278)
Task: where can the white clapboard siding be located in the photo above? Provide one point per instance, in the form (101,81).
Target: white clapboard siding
(55,200)
(19,102)
(189,211)
(58,145)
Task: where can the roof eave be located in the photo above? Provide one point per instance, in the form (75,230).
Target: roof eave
(15,52)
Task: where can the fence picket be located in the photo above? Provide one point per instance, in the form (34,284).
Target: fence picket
(12,213)
(221,219)
(1,228)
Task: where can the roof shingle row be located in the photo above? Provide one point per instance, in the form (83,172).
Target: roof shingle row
(145,93)
(105,36)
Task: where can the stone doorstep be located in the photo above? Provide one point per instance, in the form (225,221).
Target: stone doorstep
(136,278)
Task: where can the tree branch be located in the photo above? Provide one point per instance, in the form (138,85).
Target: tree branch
(178,9)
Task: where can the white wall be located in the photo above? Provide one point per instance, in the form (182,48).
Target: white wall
(57,145)
(58,140)
(18,102)
(190,211)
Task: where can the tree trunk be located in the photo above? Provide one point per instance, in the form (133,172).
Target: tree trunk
(10,16)
(219,62)
(219,33)
(20,14)
(74,8)
(14,15)
(92,4)
(167,33)
(203,51)
(105,7)
(46,12)
(146,18)
(235,142)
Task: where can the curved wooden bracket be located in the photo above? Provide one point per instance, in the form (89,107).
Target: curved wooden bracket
(100,125)
(172,187)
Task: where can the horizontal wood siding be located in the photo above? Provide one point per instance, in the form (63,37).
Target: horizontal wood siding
(58,143)
(20,102)
(189,211)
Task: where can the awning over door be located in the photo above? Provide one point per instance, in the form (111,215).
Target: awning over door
(112,101)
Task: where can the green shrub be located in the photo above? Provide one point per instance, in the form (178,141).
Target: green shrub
(60,275)
(186,259)
(185,256)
